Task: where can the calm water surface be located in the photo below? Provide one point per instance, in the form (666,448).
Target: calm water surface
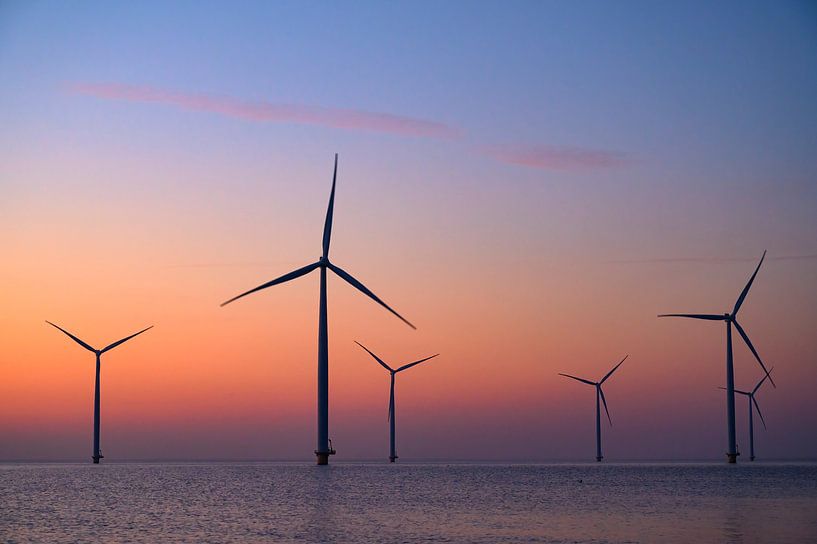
(356,503)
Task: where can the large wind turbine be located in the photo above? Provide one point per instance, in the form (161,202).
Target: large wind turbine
(97,455)
(392,372)
(599,395)
(752,400)
(324,450)
(731,319)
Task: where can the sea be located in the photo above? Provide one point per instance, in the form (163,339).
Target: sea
(408,502)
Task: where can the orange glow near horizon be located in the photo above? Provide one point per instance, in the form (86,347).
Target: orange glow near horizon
(239,381)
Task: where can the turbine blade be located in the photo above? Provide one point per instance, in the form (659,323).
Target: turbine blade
(74,338)
(579,379)
(710,317)
(605,405)
(405,367)
(362,288)
(376,358)
(748,285)
(738,391)
(286,277)
(614,369)
(327,226)
(757,407)
(763,380)
(391,402)
(111,346)
(753,350)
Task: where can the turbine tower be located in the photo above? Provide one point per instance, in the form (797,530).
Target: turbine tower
(97,455)
(731,319)
(599,395)
(324,449)
(752,400)
(392,372)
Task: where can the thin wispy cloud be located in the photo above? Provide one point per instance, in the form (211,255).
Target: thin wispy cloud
(270,112)
(547,157)
(714,260)
(564,158)
(247,264)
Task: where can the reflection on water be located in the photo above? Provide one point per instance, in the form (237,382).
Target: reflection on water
(273,502)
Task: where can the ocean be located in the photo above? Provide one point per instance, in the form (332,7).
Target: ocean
(408,502)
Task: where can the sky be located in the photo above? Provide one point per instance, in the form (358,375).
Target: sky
(530,183)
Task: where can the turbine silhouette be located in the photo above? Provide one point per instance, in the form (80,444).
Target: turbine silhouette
(599,395)
(752,400)
(731,319)
(97,455)
(324,449)
(392,372)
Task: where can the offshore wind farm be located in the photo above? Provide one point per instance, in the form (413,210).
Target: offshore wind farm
(530,184)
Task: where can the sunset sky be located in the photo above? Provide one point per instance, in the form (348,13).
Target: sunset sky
(529,183)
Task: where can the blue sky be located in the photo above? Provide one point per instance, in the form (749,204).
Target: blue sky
(656,81)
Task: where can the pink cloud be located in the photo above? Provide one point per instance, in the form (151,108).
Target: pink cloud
(533,156)
(347,119)
(556,158)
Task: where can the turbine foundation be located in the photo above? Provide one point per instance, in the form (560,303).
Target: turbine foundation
(598,459)
(323,456)
(732,458)
(392,458)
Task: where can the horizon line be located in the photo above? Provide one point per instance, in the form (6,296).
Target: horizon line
(430,460)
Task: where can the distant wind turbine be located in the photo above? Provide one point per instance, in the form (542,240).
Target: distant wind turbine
(731,319)
(97,455)
(392,372)
(599,395)
(752,400)
(324,449)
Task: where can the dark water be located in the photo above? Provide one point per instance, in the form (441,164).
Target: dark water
(351,503)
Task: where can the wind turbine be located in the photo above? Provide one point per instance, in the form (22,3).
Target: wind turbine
(98,352)
(752,400)
(599,395)
(731,319)
(324,449)
(392,372)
